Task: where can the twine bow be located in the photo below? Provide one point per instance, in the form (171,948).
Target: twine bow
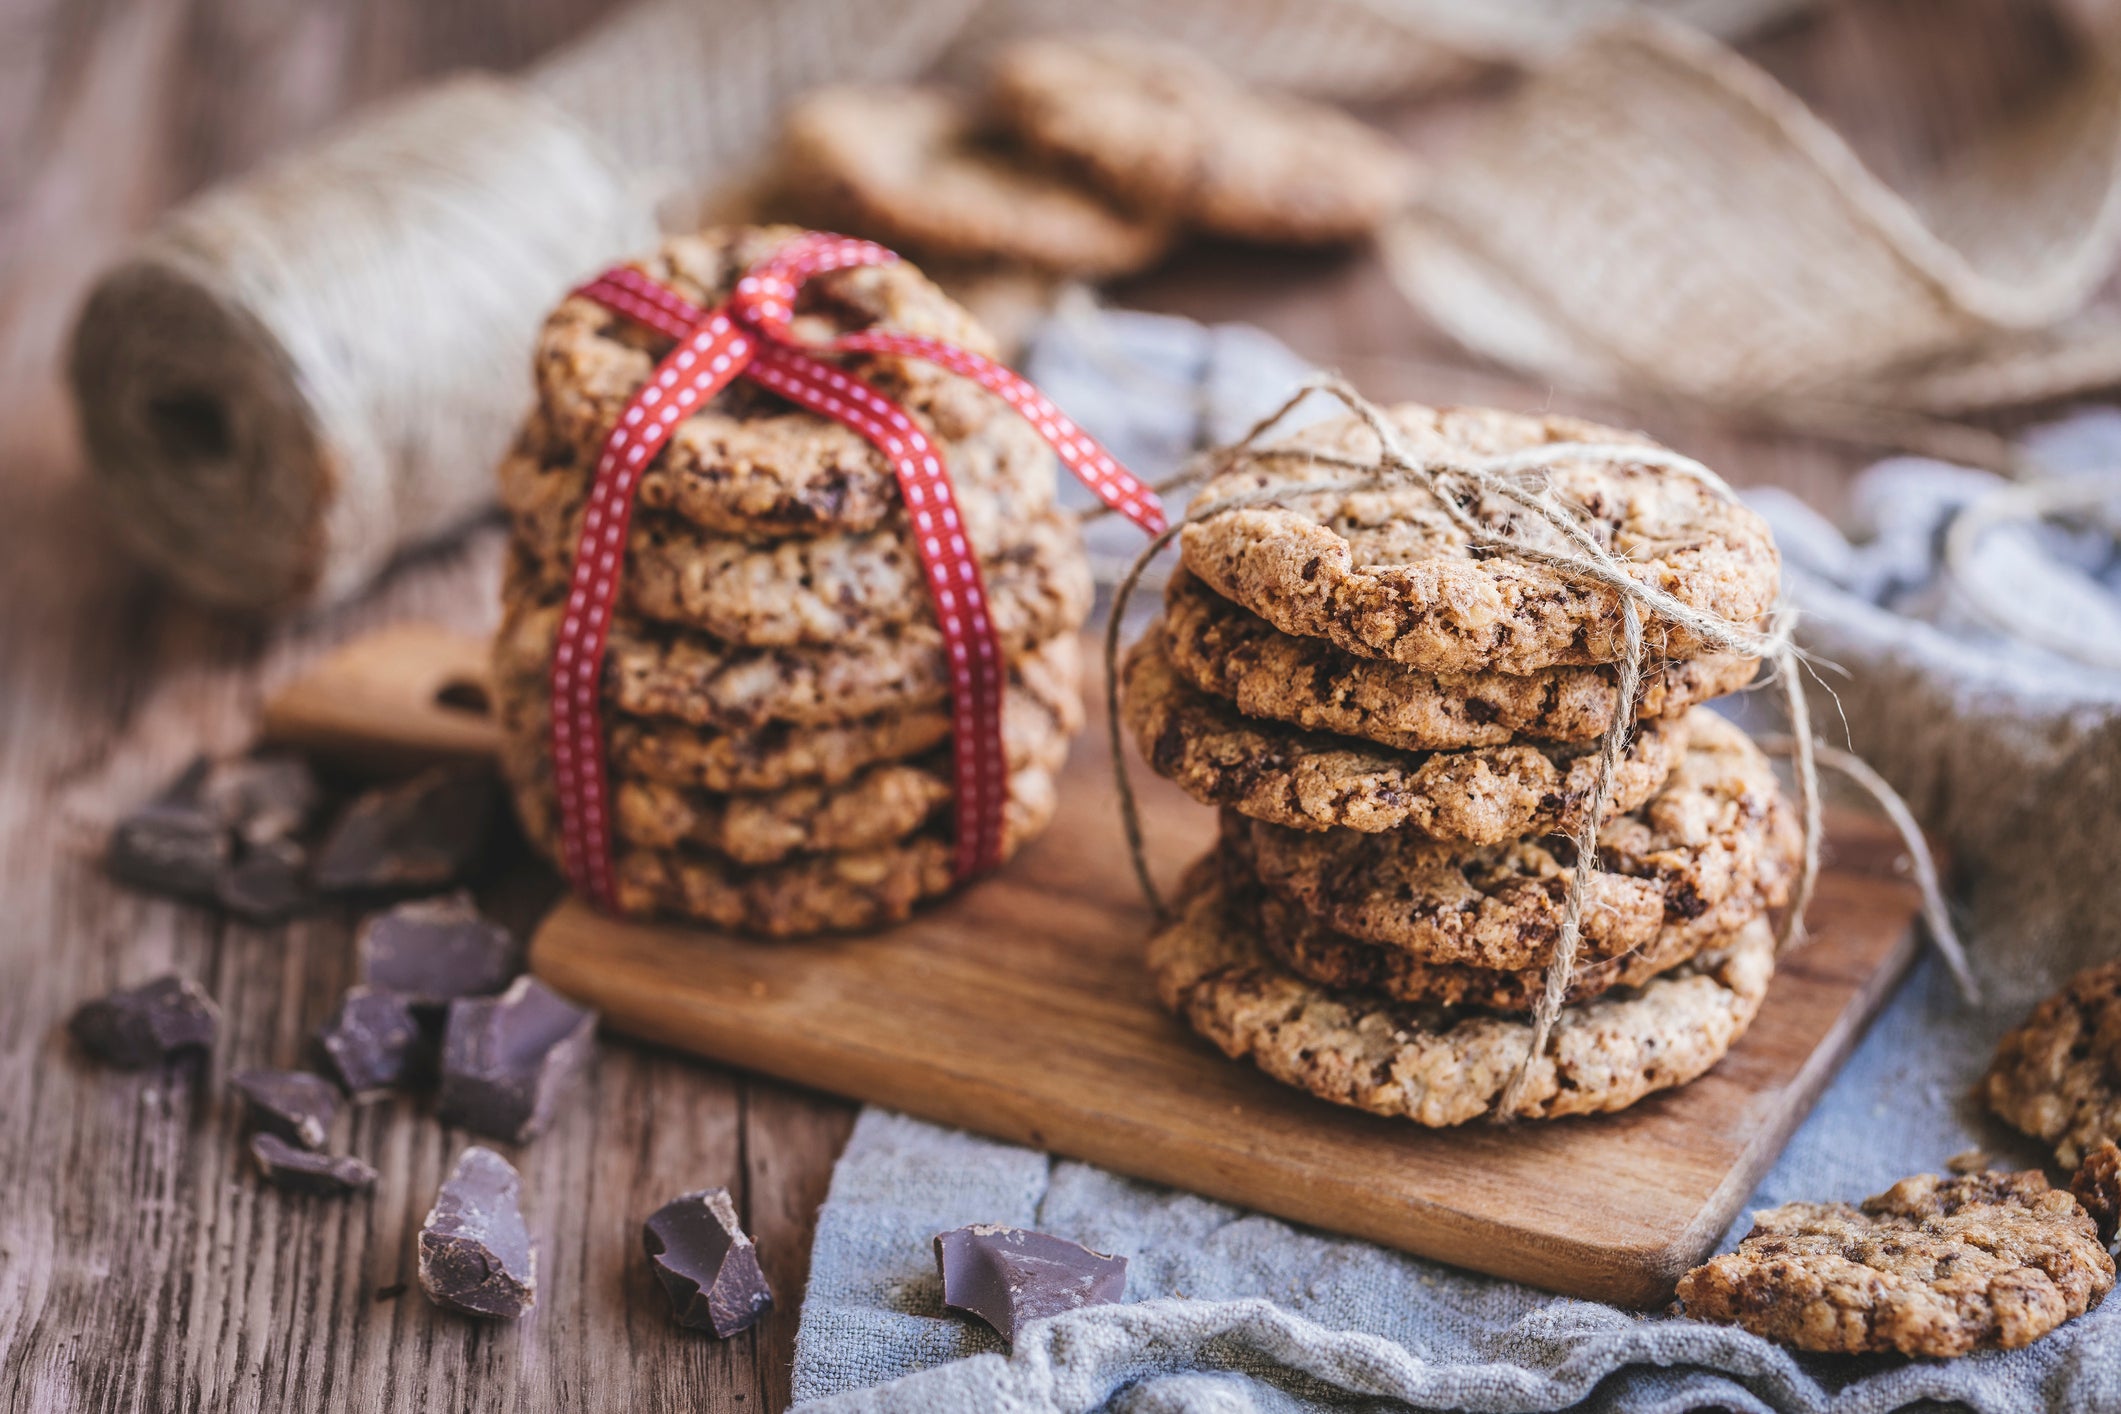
(751,337)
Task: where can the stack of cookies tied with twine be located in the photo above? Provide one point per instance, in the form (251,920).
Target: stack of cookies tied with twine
(1484,852)
(779,699)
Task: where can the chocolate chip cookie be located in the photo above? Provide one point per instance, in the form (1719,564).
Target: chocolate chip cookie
(1439,1065)
(1166,133)
(748,463)
(1388,574)
(1932,1266)
(1311,781)
(912,168)
(2058,1075)
(1231,653)
(1699,857)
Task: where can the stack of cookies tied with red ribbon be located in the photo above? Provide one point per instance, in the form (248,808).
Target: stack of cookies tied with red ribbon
(1401,689)
(790,630)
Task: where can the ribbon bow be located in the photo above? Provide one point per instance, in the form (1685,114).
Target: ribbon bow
(750,337)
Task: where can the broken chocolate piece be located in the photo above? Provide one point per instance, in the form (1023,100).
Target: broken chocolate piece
(293,1104)
(426,833)
(373,1043)
(2097,1185)
(174,844)
(303,1171)
(140,1026)
(265,798)
(1008,1276)
(506,1060)
(707,1265)
(266,881)
(436,950)
(476,1255)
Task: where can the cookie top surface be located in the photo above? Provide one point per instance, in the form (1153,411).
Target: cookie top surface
(910,166)
(1311,781)
(1709,850)
(2058,1075)
(1167,133)
(1232,653)
(1442,1066)
(747,462)
(1388,574)
(1931,1266)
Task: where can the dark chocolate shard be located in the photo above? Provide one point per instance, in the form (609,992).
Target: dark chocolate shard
(1008,1276)
(144,1025)
(174,844)
(373,1043)
(265,798)
(266,881)
(304,1171)
(506,1060)
(707,1265)
(435,950)
(476,1255)
(426,833)
(293,1104)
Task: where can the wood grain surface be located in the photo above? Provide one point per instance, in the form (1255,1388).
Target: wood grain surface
(141,1267)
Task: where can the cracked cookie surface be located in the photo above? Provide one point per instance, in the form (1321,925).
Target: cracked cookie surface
(1311,781)
(1232,653)
(2057,1076)
(1932,1266)
(1700,856)
(1166,133)
(1388,573)
(1441,1066)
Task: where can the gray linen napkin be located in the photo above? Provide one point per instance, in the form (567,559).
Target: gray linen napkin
(1230,1312)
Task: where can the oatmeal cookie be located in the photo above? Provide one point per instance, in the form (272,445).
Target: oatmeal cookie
(1699,858)
(1931,1266)
(911,167)
(749,463)
(2097,1185)
(1043,698)
(1234,654)
(1309,781)
(2058,1076)
(818,893)
(1441,1065)
(1388,574)
(1165,132)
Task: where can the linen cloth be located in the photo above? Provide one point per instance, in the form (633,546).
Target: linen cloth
(1231,1312)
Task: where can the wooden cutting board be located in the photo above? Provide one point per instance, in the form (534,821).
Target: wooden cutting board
(1020,1010)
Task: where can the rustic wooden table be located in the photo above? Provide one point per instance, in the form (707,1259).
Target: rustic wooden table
(142,1266)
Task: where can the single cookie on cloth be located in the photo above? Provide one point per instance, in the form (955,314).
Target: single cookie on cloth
(1932,1266)
(1309,781)
(912,167)
(1389,574)
(1698,858)
(748,463)
(1232,653)
(1166,133)
(2058,1075)
(1439,1065)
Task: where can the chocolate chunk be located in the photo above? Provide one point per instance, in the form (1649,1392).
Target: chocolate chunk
(506,1060)
(706,1263)
(140,1026)
(436,950)
(301,1171)
(264,798)
(176,843)
(293,1104)
(424,834)
(1008,1276)
(373,1043)
(266,881)
(476,1255)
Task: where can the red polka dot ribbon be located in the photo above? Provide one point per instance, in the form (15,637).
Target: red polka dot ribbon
(751,337)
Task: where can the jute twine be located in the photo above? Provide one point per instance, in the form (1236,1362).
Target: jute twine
(1519,477)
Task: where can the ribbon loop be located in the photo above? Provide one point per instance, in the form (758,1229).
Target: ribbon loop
(752,336)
